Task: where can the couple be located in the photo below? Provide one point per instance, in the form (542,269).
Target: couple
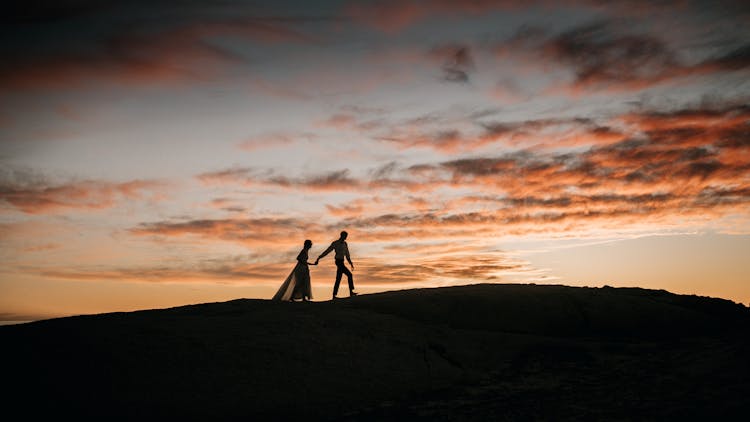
(297,285)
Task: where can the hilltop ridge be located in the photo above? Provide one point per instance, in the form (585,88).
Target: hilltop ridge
(468,352)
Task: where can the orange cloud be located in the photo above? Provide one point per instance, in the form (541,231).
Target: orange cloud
(219,272)
(42,247)
(247,231)
(472,131)
(682,168)
(466,265)
(275,140)
(40,197)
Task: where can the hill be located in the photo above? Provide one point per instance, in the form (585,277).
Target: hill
(500,352)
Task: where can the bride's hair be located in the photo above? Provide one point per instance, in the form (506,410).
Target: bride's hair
(308,242)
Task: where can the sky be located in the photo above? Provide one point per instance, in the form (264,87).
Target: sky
(155,154)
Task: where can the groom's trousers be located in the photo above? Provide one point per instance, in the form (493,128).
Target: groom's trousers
(341,269)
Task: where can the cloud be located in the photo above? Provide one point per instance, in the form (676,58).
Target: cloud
(391,16)
(734,60)
(228,205)
(331,180)
(351,209)
(466,130)
(598,55)
(120,43)
(370,271)
(248,231)
(42,247)
(208,272)
(458,267)
(680,168)
(274,140)
(671,166)
(457,62)
(550,133)
(32,193)
(395,15)
(611,55)
(656,161)
(674,162)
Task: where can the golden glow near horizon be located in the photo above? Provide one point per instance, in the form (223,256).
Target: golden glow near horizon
(456,142)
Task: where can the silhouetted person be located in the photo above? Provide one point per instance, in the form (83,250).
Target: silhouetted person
(342,251)
(297,284)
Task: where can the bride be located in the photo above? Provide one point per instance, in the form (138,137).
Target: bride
(297,284)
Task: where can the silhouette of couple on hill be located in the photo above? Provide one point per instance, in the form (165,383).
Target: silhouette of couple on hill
(297,284)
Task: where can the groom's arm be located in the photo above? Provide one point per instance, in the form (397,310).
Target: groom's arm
(348,258)
(325,252)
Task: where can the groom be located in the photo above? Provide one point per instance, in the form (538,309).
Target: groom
(342,251)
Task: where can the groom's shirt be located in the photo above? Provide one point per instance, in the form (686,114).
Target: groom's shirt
(340,247)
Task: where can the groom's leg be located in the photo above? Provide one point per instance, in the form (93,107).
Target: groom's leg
(338,279)
(350,278)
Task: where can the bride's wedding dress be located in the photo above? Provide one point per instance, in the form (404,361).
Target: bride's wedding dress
(297,284)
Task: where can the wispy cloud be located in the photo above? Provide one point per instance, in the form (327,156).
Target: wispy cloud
(610,55)
(668,165)
(473,266)
(32,193)
(249,231)
(457,62)
(275,140)
(327,181)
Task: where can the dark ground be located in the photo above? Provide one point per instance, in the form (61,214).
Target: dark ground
(481,352)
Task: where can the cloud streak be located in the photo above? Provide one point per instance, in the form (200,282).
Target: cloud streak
(33,194)
(606,55)
(667,166)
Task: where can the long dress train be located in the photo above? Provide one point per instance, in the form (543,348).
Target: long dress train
(297,284)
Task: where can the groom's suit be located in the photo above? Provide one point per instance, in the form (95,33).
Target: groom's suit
(341,251)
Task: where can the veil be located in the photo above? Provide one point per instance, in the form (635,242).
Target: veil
(287,288)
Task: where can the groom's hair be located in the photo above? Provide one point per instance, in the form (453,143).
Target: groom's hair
(344,234)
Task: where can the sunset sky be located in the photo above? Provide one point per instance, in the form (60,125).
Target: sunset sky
(154,154)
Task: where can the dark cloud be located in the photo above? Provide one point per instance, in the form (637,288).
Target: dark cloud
(385,170)
(338,179)
(734,60)
(457,62)
(598,54)
(476,133)
(616,55)
(134,42)
(332,180)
